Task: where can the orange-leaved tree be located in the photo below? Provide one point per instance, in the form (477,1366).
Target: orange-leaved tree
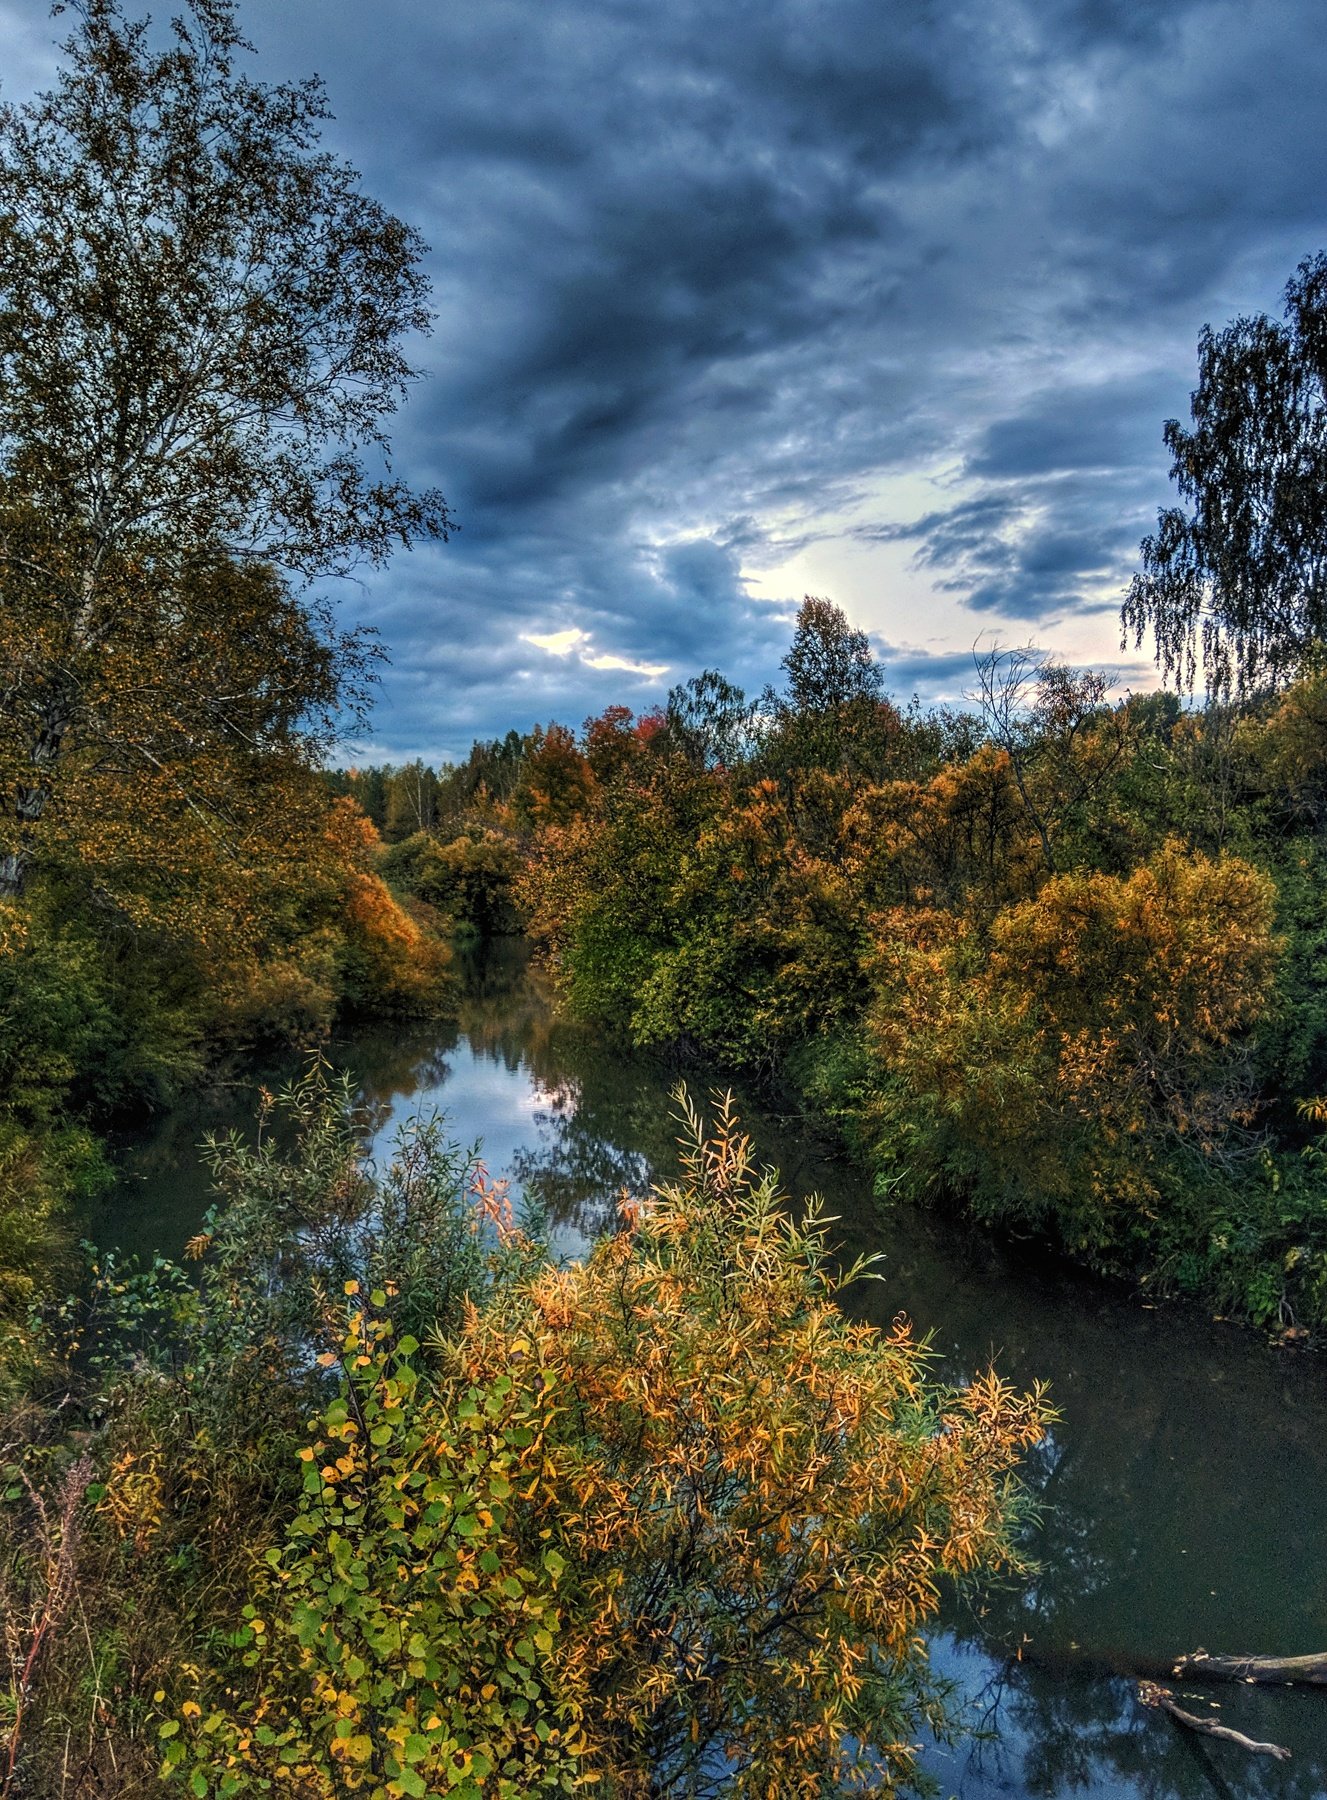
(557,783)
(1055,1067)
(756,1497)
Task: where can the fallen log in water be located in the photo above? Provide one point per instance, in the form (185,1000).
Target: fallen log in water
(1151,1693)
(1312,1670)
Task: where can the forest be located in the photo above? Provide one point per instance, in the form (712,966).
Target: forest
(373,1492)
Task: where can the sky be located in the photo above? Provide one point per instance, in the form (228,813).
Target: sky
(883,300)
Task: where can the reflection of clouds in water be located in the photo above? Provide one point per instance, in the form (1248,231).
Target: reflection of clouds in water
(558,1096)
(493,1100)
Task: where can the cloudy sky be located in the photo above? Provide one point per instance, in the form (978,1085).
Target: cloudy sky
(879,299)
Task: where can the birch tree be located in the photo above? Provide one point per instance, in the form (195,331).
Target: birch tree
(203,330)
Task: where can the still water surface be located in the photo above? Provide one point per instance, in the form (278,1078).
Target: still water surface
(1185,1486)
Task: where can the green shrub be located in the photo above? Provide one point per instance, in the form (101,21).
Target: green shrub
(401,1637)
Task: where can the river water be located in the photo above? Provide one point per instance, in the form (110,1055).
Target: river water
(1184,1488)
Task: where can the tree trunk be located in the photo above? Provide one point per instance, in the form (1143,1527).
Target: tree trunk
(1198,1665)
(1152,1694)
(31,796)
(29,805)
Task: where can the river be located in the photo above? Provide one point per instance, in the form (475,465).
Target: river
(1184,1487)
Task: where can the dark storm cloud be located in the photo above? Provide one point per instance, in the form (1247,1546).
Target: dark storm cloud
(710,275)
(1074,427)
(670,611)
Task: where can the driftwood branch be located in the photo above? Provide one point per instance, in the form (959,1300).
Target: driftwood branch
(1198,1665)
(1151,1693)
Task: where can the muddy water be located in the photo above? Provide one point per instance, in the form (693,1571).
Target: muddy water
(1184,1488)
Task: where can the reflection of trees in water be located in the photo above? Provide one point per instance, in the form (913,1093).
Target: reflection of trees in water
(598,1137)
(1066,1718)
(1184,1492)
(398,1070)
(578,1178)
(504,1009)
(499,1008)
(1052,1730)
(605,1116)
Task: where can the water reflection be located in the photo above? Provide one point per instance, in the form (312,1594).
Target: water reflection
(1059,1731)
(1184,1490)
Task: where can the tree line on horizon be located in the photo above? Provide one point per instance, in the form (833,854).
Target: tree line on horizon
(1056,957)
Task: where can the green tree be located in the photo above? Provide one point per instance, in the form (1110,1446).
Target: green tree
(828,664)
(369,789)
(201,330)
(833,714)
(412,801)
(471,880)
(1236,585)
(400,1640)
(710,720)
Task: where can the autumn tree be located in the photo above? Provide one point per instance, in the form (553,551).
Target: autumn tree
(192,729)
(556,782)
(1064,1067)
(756,1496)
(611,743)
(963,839)
(400,1640)
(1061,739)
(202,321)
(1234,583)
(1061,959)
(412,801)
(1286,749)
